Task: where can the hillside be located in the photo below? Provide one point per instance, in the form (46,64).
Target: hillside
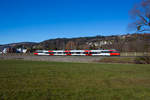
(129,42)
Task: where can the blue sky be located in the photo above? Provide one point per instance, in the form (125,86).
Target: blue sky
(38,20)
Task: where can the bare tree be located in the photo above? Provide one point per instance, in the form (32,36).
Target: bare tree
(140,14)
(85,46)
(70,45)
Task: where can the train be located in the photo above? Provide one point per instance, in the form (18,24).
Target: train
(77,52)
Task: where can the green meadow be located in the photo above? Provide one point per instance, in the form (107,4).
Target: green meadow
(35,80)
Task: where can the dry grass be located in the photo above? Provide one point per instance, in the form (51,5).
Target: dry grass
(117,60)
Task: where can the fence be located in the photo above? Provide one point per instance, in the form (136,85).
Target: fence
(121,54)
(17,54)
(135,54)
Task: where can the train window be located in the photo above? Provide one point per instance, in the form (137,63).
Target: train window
(67,52)
(49,52)
(110,52)
(73,53)
(52,52)
(85,52)
(115,52)
(94,52)
(78,52)
(105,51)
(39,51)
(91,53)
(59,52)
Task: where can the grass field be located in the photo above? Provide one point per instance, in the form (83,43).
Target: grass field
(33,80)
(123,60)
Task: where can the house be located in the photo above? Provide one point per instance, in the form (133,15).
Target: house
(21,50)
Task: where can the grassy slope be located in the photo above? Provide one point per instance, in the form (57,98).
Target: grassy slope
(118,60)
(30,80)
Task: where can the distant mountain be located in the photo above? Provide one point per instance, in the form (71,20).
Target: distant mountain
(20,44)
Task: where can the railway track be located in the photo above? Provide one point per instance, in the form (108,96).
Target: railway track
(59,58)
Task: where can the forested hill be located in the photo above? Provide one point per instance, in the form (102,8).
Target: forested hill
(129,42)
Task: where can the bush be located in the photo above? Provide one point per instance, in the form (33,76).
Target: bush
(142,60)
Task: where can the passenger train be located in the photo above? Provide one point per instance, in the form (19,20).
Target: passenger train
(78,52)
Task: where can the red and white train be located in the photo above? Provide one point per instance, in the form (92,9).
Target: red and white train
(78,52)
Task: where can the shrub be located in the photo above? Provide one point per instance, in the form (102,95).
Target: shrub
(142,60)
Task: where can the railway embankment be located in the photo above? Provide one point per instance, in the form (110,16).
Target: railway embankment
(82,59)
(51,58)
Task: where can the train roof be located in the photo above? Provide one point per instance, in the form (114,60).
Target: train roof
(74,50)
